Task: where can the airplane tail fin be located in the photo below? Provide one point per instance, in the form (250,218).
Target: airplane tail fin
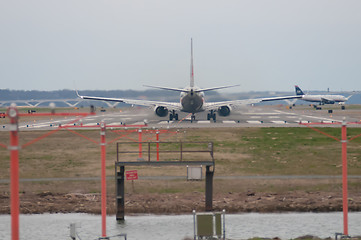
(298,90)
(192,70)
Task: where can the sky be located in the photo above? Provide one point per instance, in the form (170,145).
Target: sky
(263,45)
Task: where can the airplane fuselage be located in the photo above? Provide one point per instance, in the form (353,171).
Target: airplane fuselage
(324,98)
(192,100)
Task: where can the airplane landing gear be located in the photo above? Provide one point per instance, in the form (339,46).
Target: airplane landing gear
(193,117)
(173,115)
(211,115)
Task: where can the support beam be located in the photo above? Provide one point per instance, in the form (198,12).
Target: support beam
(119,175)
(209,189)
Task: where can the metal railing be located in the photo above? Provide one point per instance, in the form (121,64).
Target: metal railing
(164,151)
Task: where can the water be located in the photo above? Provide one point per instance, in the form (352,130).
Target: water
(178,227)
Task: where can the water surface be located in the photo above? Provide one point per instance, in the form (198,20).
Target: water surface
(178,227)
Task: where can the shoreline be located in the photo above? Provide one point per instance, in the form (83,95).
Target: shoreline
(182,203)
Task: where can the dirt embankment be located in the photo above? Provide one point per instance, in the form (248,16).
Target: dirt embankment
(179,203)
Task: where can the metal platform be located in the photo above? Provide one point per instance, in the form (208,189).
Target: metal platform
(159,154)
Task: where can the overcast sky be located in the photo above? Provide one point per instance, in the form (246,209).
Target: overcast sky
(123,44)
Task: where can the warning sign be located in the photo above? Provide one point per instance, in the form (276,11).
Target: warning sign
(131,175)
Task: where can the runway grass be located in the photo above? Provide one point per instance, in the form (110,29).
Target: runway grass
(280,151)
(238,151)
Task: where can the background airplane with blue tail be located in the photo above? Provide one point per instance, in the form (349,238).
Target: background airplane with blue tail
(321,99)
(191,100)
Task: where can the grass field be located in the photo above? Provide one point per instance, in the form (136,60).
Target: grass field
(238,152)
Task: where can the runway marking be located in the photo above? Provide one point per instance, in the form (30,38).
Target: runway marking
(114,123)
(328,121)
(90,124)
(69,125)
(41,125)
(254,116)
(273,117)
(202,122)
(128,115)
(278,111)
(254,122)
(279,122)
(106,119)
(29,126)
(324,119)
(321,118)
(138,123)
(259,113)
(165,122)
(229,122)
(125,119)
(302,121)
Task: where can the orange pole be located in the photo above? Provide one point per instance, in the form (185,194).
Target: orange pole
(344,178)
(157,138)
(140,142)
(103,177)
(14,172)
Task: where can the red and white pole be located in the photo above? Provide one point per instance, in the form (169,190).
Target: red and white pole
(157,139)
(12,112)
(103,177)
(344,178)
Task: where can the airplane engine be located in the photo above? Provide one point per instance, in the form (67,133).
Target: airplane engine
(161,111)
(224,111)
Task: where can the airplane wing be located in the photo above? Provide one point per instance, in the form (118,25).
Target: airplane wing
(327,100)
(147,103)
(237,103)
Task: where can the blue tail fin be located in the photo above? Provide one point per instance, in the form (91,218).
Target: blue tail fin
(298,90)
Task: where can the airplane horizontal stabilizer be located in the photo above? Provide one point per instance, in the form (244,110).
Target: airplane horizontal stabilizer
(215,88)
(166,88)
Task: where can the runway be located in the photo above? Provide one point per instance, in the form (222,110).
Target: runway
(250,116)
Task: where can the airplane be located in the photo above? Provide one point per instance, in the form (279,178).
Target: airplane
(321,99)
(191,100)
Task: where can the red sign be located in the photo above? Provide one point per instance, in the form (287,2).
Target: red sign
(131,175)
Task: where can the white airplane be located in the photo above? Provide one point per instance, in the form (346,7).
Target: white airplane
(321,99)
(191,100)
